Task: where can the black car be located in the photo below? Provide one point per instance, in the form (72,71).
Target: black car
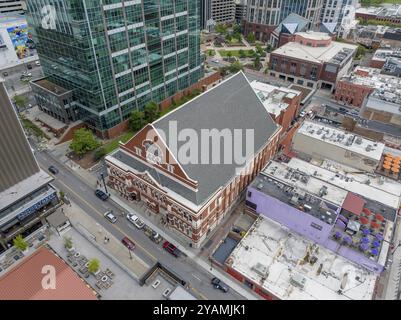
(53,169)
(218,284)
(101,195)
(29,66)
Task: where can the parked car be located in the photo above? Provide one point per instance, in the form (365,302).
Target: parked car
(53,169)
(135,220)
(302,114)
(5,74)
(128,243)
(37,63)
(29,66)
(110,216)
(218,284)
(172,249)
(101,194)
(155,237)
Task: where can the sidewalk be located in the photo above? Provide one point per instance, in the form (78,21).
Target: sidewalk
(115,250)
(192,253)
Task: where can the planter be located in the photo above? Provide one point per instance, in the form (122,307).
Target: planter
(71,249)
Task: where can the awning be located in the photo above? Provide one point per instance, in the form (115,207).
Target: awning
(353,203)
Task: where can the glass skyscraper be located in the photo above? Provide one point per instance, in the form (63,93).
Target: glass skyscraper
(117,55)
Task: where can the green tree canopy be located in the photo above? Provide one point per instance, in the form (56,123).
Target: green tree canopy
(20,243)
(256,62)
(94,265)
(236,67)
(151,112)
(83,141)
(137,120)
(237,28)
(251,37)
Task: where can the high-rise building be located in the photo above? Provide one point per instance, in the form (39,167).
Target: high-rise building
(116,56)
(335,13)
(25,193)
(205,13)
(223,11)
(264,15)
(12,6)
(240,10)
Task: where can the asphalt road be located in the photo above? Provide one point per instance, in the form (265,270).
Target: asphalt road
(13,82)
(83,195)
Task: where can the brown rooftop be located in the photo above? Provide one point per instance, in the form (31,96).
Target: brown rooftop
(48,85)
(24,281)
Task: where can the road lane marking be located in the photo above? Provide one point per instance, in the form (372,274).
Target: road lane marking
(101,214)
(197,278)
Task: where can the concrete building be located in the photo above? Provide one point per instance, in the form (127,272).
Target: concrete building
(298,197)
(12,6)
(277,263)
(381,56)
(223,11)
(193,195)
(312,59)
(385,13)
(325,142)
(117,58)
(283,104)
(339,16)
(263,17)
(26,195)
(355,88)
(205,14)
(240,10)
(16,41)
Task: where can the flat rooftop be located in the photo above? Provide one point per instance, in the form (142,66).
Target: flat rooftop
(351,142)
(332,53)
(24,281)
(390,11)
(381,189)
(50,86)
(272,96)
(24,188)
(277,260)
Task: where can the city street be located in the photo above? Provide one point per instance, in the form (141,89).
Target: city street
(83,195)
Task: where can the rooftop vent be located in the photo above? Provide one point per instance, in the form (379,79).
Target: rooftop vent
(298,280)
(260,269)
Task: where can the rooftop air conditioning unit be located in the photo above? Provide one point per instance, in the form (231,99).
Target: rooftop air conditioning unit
(298,280)
(260,269)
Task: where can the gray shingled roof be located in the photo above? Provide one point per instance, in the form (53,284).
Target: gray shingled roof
(231,105)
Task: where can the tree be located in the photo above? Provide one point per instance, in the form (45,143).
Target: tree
(100,153)
(259,49)
(360,52)
(229,54)
(68,243)
(237,28)
(228,38)
(20,243)
(137,120)
(256,62)
(61,195)
(236,67)
(83,141)
(94,265)
(151,112)
(20,101)
(242,53)
(251,37)
(221,28)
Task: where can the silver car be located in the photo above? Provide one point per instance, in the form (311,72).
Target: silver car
(135,220)
(110,216)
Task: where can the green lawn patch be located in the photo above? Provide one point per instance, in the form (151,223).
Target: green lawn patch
(236,53)
(33,128)
(113,145)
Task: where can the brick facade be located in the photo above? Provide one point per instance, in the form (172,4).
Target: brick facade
(194,225)
(352,93)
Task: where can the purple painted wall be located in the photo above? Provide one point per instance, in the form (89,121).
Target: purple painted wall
(301,223)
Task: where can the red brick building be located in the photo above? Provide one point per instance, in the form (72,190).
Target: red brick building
(313,60)
(353,89)
(193,195)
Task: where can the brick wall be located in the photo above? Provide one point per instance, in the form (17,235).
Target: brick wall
(378,64)
(351,93)
(201,85)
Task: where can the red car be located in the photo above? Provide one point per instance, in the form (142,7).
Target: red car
(172,249)
(128,243)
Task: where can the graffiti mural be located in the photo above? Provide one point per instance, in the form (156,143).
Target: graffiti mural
(23,43)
